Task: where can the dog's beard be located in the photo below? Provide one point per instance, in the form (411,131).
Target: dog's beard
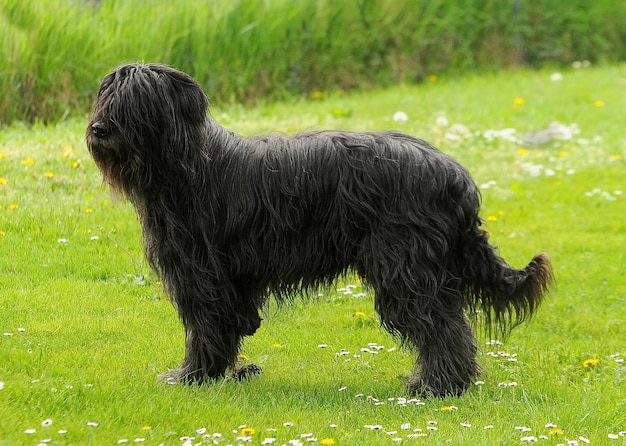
(105,156)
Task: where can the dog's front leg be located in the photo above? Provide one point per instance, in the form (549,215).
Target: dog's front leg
(213,339)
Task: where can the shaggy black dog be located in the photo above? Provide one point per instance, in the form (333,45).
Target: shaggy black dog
(228,221)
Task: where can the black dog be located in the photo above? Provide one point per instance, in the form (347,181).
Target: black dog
(228,220)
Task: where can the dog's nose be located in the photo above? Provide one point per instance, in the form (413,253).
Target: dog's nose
(99,129)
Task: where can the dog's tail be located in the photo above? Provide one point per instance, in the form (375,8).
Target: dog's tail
(505,296)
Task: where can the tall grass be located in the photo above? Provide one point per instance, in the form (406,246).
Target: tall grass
(55,51)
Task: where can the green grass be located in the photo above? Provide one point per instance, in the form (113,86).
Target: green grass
(55,51)
(88,328)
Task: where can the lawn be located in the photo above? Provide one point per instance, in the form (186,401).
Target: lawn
(87,328)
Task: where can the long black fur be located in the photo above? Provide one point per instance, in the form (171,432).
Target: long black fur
(228,221)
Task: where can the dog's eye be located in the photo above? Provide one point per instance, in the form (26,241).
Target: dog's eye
(99,129)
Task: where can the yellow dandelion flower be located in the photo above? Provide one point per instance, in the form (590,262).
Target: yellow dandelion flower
(433,78)
(448,408)
(242,357)
(77,164)
(563,153)
(48,174)
(327,441)
(517,103)
(3,181)
(2,233)
(360,314)
(28,162)
(592,362)
(277,345)
(146,428)
(317,95)
(523,152)
(598,104)
(500,213)
(13,206)
(492,218)
(247,431)
(613,158)
(556,431)
(3,155)
(88,211)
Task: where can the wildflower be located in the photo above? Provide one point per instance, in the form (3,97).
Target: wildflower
(400,116)
(77,164)
(13,206)
(46,423)
(598,103)
(3,155)
(613,158)
(146,428)
(327,441)
(317,95)
(3,181)
(523,152)
(247,431)
(442,121)
(517,103)
(2,233)
(28,162)
(563,153)
(88,211)
(590,362)
(242,357)
(432,78)
(268,441)
(1,385)
(449,408)
(48,174)
(556,431)
(492,218)
(556,77)
(360,314)
(68,151)
(277,345)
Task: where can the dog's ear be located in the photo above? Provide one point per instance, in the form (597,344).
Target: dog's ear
(184,108)
(188,100)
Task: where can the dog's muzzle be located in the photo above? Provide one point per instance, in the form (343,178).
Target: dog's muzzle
(99,129)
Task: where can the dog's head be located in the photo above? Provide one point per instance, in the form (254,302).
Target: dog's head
(149,120)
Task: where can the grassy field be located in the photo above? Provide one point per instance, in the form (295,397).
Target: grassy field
(86,327)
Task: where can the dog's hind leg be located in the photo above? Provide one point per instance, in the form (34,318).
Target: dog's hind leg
(446,361)
(437,328)
(418,301)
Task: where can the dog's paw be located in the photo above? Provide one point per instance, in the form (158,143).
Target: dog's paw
(246,372)
(171,377)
